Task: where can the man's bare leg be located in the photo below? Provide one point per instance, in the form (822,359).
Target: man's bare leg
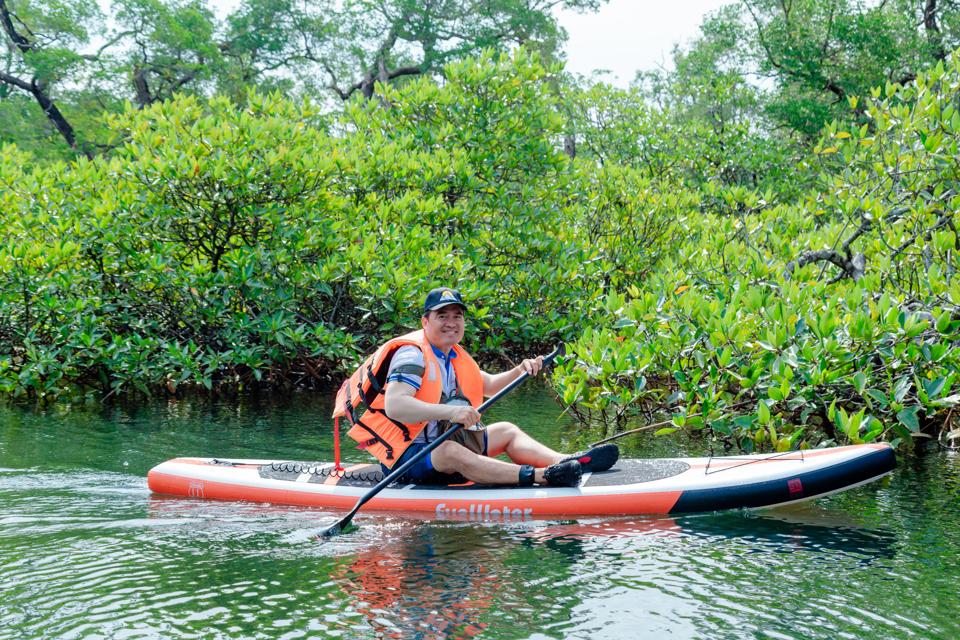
(451,457)
(506,437)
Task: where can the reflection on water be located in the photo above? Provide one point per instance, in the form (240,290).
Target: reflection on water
(769,531)
(87,551)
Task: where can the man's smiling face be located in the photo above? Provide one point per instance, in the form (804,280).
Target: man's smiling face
(444,327)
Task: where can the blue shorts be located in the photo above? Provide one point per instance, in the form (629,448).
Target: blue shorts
(423,472)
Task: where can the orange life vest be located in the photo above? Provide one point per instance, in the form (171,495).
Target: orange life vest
(376,432)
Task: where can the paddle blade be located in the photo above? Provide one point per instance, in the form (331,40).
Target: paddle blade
(342,526)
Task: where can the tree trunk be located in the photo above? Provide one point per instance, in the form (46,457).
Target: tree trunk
(141,87)
(934,37)
(570,146)
(35,89)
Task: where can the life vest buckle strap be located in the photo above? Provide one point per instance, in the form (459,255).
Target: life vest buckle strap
(374,440)
(403,428)
(366,404)
(351,413)
(374,383)
(361,397)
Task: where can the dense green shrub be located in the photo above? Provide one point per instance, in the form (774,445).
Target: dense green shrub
(833,318)
(223,246)
(226,246)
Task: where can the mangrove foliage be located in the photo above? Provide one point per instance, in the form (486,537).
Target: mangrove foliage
(715,262)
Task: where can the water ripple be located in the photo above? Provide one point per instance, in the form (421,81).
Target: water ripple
(88,553)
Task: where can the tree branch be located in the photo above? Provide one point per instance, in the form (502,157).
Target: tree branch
(96,56)
(404,71)
(850,268)
(14,81)
(333,86)
(856,234)
(18,39)
(942,221)
(761,38)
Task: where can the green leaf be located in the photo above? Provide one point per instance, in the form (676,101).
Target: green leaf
(725,357)
(908,417)
(853,425)
(901,388)
(943,322)
(721,427)
(949,401)
(934,387)
(879,396)
(860,382)
(763,413)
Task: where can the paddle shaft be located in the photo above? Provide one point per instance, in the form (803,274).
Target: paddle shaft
(436,442)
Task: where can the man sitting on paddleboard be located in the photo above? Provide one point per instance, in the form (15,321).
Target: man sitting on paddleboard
(431,382)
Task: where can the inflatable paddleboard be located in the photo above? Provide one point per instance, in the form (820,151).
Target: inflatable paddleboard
(639,486)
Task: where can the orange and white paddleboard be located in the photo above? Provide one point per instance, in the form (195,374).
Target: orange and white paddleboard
(639,486)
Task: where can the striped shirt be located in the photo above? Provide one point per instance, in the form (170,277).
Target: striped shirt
(408,366)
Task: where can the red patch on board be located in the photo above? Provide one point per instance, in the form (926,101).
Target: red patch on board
(795,487)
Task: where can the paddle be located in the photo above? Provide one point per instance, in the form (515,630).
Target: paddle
(402,469)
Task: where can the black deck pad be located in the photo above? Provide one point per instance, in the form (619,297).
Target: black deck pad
(636,471)
(625,472)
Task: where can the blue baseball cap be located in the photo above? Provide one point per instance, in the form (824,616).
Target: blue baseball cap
(441,297)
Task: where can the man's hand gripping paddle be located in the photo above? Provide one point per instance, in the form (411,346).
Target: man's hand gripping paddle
(397,473)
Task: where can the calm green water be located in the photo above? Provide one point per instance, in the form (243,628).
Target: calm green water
(87,552)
